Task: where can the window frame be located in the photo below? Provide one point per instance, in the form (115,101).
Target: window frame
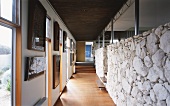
(17,48)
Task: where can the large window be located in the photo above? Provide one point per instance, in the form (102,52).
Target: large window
(6,69)
(10,53)
(9,10)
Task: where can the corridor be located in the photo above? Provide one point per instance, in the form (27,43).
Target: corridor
(82,90)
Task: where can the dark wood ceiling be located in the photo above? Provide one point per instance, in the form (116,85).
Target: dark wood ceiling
(86,18)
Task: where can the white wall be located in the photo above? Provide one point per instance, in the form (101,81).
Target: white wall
(34,89)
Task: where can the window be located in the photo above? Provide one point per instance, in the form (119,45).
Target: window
(9,10)
(10,53)
(6,69)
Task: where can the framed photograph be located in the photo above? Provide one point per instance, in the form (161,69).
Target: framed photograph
(37,26)
(64,41)
(71,45)
(35,67)
(56,70)
(56,36)
(71,58)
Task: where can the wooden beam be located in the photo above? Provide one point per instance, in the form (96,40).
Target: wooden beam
(49,73)
(18,66)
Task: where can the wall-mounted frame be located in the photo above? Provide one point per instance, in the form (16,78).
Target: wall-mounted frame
(56,70)
(37,26)
(71,45)
(64,41)
(35,66)
(71,58)
(56,36)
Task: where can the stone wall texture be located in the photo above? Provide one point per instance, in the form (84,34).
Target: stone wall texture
(139,69)
(101,61)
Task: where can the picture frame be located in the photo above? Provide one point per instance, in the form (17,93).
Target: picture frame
(35,66)
(56,36)
(36,26)
(56,70)
(64,41)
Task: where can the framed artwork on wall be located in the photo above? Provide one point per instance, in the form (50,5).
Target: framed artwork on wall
(56,36)
(56,70)
(35,66)
(37,26)
(64,41)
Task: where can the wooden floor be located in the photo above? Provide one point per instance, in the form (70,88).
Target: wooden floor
(82,90)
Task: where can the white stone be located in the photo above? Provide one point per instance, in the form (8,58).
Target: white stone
(146,85)
(140,67)
(152,95)
(158,30)
(165,42)
(143,53)
(146,93)
(142,43)
(167,69)
(146,33)
(126,86)
(138,49)
(139,104)
(148,62)
(152,76)
(161,103)
(160,91)
(121,96)
(140,86)
(134,91)
(159,71)
(151,44)
(160,81)
(167,86)
(147,99)
(140,98)
(168,101)
(157,57)
(130,80)
(139,77)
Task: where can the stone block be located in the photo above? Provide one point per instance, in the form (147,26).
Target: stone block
(164,42)
(160,91)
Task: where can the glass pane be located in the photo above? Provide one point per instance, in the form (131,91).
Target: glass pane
(6,9)
(5,66)
(48,28)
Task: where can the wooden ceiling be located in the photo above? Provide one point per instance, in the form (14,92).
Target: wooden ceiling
(86,18)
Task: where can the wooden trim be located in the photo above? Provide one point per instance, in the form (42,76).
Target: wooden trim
(61,68)
(49,74)
(18,66)
(48,39)
(6,22)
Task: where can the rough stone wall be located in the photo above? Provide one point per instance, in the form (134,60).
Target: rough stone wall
(139,69)
(101,61)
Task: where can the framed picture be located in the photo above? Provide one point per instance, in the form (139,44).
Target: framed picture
(35,67)
(56,36)
(64,41)
(37,26)
(71,58)
(56,70)
(71,45)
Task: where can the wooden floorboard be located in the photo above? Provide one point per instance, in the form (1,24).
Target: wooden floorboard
(82,90)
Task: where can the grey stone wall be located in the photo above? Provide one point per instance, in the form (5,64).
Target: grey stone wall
(139,69)
(101,61)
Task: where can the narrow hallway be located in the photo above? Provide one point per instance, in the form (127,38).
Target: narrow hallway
(82,90)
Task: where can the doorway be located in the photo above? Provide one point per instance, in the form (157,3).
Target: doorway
(88,52)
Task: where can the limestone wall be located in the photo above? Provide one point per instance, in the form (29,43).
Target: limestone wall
(101,61)
(139,69)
